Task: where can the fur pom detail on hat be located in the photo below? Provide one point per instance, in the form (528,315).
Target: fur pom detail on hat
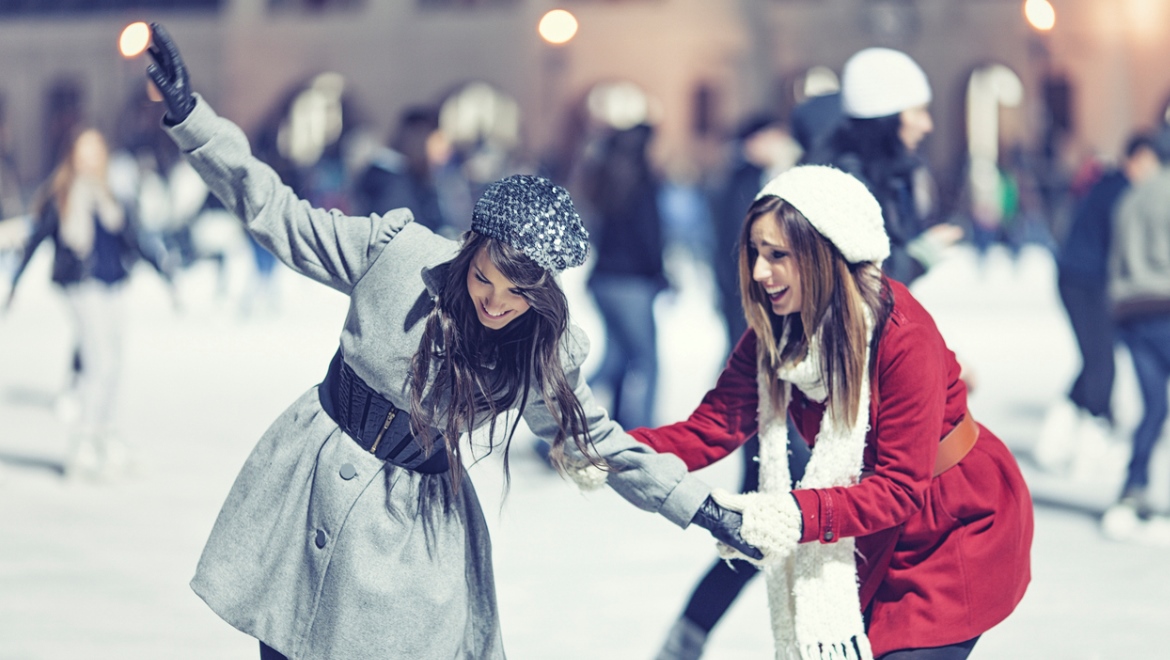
(839,206)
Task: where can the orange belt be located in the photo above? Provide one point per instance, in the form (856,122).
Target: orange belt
(956,444)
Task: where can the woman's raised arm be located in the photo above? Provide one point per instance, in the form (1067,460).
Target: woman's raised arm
(326,246)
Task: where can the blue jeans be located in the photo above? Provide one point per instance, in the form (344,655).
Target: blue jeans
(629,369)
(1148,340)
(1089,314)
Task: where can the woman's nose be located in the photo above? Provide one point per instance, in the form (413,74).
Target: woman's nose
(760,270)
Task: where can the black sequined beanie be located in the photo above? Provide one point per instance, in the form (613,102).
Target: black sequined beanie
(535,216)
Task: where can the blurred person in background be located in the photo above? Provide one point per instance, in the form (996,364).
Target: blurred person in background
(623,192)
(909,534)
(884,98)
(763,149)
(353,530)
(13,223)
(1076,426)
(1139,289)
(402,175)
(96,244)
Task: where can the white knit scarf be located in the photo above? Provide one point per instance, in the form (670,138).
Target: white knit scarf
(812,594)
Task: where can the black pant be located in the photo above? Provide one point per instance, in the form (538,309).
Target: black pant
(719,588)
(958,651)
(268,653)
(1092,323)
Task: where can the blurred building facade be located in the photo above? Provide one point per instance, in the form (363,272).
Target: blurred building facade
(701,64)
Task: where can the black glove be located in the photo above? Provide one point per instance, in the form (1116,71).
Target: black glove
(169,75)
(724,525)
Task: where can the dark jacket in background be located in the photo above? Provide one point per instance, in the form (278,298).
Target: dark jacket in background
(110,261)
(729,205)
(623,193)
(388,184)
(1084,258)
(892,184)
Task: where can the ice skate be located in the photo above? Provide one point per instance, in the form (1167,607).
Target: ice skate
(1121,521)
(117,459)
(82,459)
(685,641)
(1056,441)
(1095,452)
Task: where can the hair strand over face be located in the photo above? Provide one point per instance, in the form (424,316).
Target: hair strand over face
(836,298)
(475,374)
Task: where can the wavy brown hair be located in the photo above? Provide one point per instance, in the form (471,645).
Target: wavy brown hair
(481,372)
(834,296)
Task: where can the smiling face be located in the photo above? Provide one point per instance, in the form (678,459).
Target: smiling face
(497,299)
(773,265)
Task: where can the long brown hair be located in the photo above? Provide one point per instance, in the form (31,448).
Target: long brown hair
(835,295)
(55,189)
(482,372)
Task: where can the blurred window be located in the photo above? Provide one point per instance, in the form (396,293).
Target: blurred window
(314,120)
(479,113)
(313,5)
(621,105)
(990,91)
(14,7)
(463,4)
(817,81)
(995,95)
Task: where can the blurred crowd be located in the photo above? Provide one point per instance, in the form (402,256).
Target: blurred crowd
(125,195)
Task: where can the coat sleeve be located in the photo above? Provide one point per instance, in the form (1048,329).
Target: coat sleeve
(46,225)
(912,372)
(651,481)
(724,420)
(326,246)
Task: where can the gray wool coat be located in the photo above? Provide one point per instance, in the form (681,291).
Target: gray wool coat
(317,562)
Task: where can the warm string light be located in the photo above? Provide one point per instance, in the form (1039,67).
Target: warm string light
(1040,14)
(134,39)
(557,27)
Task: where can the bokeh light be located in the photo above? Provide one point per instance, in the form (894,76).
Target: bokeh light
(557,27)
(1040,14)
(135,38)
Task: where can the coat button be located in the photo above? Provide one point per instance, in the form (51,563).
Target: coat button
(321,538)
(348,471)
(828,536)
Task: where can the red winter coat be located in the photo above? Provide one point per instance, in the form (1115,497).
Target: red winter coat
(961,560)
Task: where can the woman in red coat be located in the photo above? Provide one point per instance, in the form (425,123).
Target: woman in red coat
(909,535)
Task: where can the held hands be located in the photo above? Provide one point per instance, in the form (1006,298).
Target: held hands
(771,522)
(170,75)
(724,524)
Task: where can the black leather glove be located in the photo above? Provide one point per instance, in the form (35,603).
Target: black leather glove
(724,525)
(169,75)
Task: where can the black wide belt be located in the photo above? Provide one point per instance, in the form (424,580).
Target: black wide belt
(377,425)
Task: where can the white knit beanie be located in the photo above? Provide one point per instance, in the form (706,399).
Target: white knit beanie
(839,206)
(878,82)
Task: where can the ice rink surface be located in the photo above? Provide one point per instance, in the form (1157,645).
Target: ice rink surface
(99,570)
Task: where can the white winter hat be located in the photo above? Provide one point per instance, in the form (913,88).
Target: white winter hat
(878,82)
(839,206)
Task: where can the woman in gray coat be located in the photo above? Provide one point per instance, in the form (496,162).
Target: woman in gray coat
(352,530)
